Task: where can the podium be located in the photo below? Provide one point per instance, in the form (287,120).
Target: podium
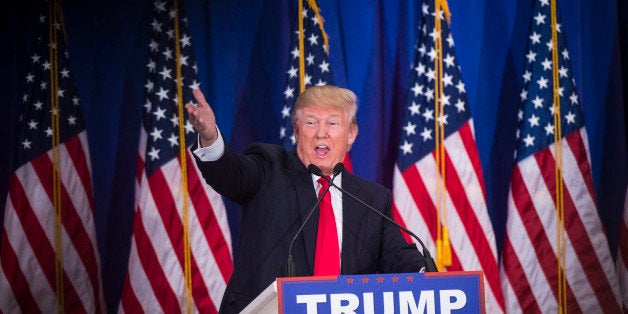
(450,292)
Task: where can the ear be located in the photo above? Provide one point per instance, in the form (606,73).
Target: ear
(295,131)
(353,133)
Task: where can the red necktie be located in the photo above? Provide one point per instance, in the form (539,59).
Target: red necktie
(327,258)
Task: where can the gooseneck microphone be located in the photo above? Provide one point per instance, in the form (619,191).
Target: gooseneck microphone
(317,171)
(430,266)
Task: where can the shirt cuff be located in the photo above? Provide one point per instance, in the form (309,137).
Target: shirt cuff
(212,152)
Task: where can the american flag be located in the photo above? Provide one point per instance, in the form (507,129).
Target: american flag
(309,65)
(537,240)
(621,262)
(422,173)
(49,259)
(169,186)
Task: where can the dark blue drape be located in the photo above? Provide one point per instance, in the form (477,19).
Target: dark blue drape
(242,53)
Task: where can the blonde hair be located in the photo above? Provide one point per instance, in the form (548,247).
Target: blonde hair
(326,96)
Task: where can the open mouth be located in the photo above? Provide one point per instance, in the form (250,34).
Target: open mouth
(321,151)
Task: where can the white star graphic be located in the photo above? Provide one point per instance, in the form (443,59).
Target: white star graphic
(538,102)
(163,93)
(165,73)
(429,94)
(442,119)
(151,66)
(432,54)
(449,60)
(540,19)
(282,132)
(426,134)
(542,82)
(289,92)
(32,124)
(148,105)
(156,26)
(531,56)
(570,117)
(167,53)
(285,112)
(428,114)
(26,144)
(195,85)
(549,129)
(156,134)
(154,153)
(420,69)
(536,38)
(160,113)
(460,87)
(410,128)
(529,140)
(417,89)
(174,120)
(414,109)
(188,127)
(573,98)
(547,65)
(406,147)
(174,140)
(523,95)
(313,39)
(309,59)
(154,46)
(295,53)
(324,66)
(447,80)
(71,120)
(185,41)
(534,121)
(292,72)
(460,105)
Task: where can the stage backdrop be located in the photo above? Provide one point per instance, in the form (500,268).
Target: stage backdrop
(242,51)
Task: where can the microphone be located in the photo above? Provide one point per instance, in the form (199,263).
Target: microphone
(317,171)
(430,266)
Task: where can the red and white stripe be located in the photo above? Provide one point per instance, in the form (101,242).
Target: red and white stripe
(27,267)
(155,281)
(621,263)
(529,258)
(471,233)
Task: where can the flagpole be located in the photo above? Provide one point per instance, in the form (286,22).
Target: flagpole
(56,158)
(443,245)
(189,300)
(558,169)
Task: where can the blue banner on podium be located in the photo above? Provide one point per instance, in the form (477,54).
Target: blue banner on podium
(451,292)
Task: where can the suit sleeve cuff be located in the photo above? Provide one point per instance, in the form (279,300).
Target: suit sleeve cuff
(212,152)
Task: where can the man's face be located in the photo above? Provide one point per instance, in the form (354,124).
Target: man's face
(323,136)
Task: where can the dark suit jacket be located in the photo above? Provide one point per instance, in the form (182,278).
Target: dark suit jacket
(276,193)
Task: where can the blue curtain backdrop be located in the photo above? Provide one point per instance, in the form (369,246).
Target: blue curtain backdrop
(242,53)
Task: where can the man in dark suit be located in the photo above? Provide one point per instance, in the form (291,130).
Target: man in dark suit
(276,193)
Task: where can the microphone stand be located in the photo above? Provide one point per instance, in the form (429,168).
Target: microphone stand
(312,169)
(430,266)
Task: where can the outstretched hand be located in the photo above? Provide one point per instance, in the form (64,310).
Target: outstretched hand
(203,119)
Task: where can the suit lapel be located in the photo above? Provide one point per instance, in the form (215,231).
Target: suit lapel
(306,195)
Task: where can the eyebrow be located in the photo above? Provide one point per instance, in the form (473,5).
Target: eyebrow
(333,115)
